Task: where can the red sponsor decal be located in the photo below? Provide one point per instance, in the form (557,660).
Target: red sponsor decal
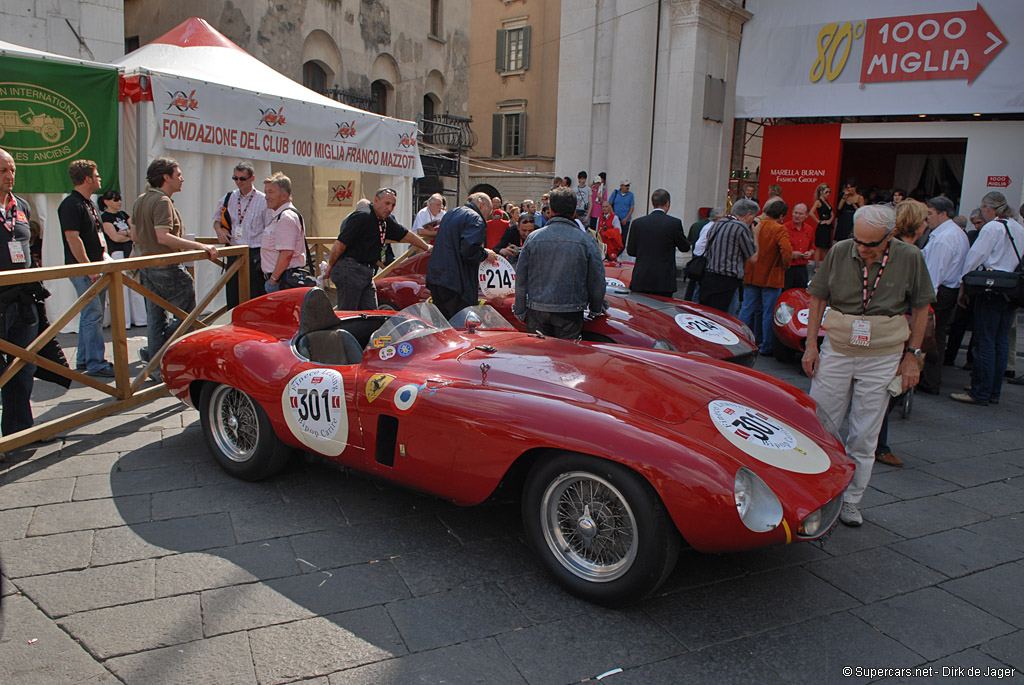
(998,182)
(335,402)
(295,402)
(940,45)
(730,411)
(316,379)
(743,434)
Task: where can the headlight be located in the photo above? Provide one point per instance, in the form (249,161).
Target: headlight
(819,521)
(662,344)
(827,422)
(757,505)
(783,314)
(748,334)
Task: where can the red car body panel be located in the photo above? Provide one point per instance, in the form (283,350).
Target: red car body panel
(488,399)
(631,319)
(794,332)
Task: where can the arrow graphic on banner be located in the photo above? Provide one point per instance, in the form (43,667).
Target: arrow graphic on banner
(942,45)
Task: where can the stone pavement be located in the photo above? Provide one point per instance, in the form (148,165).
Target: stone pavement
(128,556)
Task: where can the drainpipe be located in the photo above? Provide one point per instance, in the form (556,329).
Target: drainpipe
(654,105)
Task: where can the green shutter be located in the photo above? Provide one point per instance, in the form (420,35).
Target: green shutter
(502,51)
(496,135)
(522,132)
(526,48)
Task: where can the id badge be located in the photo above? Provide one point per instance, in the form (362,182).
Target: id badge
(236,234)
(860,334)
(17,254)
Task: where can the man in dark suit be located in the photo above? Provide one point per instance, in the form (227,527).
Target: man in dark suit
(653,240)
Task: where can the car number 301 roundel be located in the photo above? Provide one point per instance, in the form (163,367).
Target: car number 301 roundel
(314,409)
(767,439)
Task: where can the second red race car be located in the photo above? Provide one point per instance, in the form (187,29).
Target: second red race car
(630,319)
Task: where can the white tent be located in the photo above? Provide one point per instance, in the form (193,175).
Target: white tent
(194,95)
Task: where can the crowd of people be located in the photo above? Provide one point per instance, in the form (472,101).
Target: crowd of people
(885,280)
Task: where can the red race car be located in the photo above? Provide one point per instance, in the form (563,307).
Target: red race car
(631,318)
(620,454)
(790,324)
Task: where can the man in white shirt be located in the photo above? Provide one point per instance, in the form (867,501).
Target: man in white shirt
(944,255)
(284,242)
(997,247)
(240,219)
(427,219)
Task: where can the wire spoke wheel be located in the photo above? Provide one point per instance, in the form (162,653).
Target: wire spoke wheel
(589,526)
(235,426)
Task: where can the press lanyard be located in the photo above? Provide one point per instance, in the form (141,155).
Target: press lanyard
(10,210)
(865,295)
(241,210)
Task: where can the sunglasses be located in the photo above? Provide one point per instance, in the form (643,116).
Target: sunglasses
(240,178)
(874,244)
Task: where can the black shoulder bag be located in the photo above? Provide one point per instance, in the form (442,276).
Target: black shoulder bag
(300,276)
(992,283)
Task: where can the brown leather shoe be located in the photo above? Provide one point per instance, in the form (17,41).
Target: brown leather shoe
(889,459)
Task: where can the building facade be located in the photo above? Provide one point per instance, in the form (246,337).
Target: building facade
(513,87)
(646,93)
(87,29)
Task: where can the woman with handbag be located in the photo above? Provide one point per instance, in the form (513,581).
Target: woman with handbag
(997,252)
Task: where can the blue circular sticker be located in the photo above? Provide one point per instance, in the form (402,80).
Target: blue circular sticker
(404,349)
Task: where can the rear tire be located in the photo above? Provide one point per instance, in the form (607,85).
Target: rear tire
(239,434)
(600,529)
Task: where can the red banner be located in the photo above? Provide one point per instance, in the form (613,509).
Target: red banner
(998,182)
(799,158)
(941,45)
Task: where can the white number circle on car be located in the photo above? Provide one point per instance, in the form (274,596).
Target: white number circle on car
(802,315)
(610,282)
(767,439)
(314,409)
(706,329)
(497,280)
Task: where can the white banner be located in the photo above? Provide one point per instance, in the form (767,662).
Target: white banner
(202,117)
(804,58)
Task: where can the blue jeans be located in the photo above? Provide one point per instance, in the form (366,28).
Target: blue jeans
(174,284)
(758,311)
(991,340)
(90,328)
(19,325)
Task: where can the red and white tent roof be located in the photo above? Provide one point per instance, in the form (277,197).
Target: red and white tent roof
(196,50)
(211,96)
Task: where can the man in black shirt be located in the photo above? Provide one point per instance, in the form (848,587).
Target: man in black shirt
(18,319)
(357,250)
(82,231)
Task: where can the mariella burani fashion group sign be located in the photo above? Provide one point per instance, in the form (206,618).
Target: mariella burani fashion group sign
(52,113)
(807,58)
(203,117)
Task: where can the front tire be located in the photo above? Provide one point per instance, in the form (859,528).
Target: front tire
(239,434)
(781,351)
(599,528)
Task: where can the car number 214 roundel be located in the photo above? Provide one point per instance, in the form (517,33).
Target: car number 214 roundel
(314,409)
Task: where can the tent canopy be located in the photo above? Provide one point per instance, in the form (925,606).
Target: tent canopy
(211,96)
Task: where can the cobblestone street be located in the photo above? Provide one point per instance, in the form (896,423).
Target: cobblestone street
(129,556)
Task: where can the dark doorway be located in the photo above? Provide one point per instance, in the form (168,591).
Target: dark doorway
(922,168)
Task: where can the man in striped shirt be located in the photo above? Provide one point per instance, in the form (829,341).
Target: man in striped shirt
(731,242)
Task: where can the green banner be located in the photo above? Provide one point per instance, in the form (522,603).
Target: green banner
(53,113)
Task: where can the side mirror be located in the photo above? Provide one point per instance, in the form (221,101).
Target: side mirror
(472,323)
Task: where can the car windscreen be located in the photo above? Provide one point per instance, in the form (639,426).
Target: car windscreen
(487,318)
(415,321)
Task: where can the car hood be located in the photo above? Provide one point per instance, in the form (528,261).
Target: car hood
(664,386)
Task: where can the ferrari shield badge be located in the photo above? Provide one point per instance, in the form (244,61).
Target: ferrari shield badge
(375,386)
(315,412)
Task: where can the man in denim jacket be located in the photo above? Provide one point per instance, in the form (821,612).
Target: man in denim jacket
(559,274)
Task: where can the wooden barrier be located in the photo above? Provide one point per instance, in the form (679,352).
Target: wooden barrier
(125,392)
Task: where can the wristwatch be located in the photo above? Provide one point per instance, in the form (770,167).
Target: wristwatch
(916,351)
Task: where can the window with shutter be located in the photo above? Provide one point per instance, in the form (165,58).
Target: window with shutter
(502,49)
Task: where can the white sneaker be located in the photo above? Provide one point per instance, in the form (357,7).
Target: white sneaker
(850,515)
